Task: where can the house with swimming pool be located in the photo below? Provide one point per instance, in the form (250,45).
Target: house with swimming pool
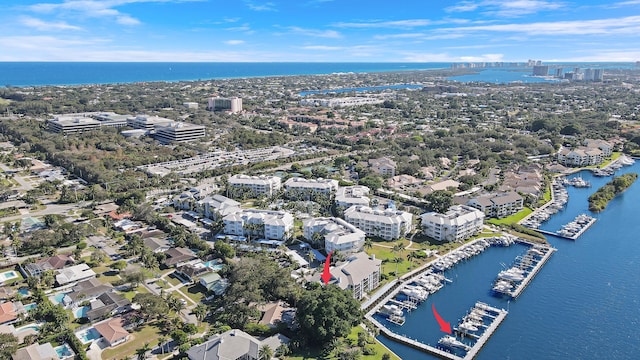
(9,312)
(112,331)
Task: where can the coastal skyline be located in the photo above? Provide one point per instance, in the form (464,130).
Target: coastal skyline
(319,31)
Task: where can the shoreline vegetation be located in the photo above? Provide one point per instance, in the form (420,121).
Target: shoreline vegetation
(599,200)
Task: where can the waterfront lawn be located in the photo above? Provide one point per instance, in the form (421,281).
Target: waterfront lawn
(511,219)
(148,334)
(388,265)
(376,345)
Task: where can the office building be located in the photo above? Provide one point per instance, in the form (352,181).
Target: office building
(111,119)
(541,70)
(147,122)
(69,124)
(178,132)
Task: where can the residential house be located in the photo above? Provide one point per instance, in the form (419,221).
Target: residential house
(86,290)
(74,273)
(157,245)
(178,256)
(233,344)
(56,262)
(458,223)
(9,311)
(112,331)
(192,270)
(214,283)
(388,224)
(36,352)
(107,304)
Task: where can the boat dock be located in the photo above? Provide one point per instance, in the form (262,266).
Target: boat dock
(569,236)
(497,320)
(520,288)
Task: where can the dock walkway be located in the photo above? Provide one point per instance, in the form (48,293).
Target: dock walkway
(533,273)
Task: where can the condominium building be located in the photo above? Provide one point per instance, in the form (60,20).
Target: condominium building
(178,132)
(360,274)
(297,185)
(348,196)
(458,223)
(383,166)
(344,101)
(258,185)
(217,206)
(388,224)
(498,205)
(72,124)
(233,105)
(270,225)
(338,234)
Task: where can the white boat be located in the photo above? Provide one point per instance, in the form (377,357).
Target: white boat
(391,310)
(510,275)
(451,342)
(468,327)
(415,292)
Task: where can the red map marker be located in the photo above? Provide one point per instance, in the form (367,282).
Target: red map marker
(326,274)
(444,326)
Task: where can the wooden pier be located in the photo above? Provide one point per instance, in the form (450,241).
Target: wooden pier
(501,314)
(574,237)
(518,290)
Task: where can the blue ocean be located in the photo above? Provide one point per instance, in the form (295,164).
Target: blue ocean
(583,304)
(74,73)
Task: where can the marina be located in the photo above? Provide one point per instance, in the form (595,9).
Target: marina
(513,281)
(574,229)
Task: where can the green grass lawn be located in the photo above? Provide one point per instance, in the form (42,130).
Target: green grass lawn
(195,292)
(389,266)
(380,349)
(511,219)
(139,290)
(148,334)
(172,280)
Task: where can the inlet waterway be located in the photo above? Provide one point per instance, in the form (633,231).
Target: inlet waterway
(583,304)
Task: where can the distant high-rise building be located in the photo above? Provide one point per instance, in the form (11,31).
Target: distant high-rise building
(588,74)
(541,70)
(598,75)
(233,105)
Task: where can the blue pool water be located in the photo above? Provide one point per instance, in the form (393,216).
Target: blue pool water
(89,335)
(31,306)
(583,304)
(57,298)
(81,312)
(63,351)
(8,275)
(34,327)
(213,264)
(24,291)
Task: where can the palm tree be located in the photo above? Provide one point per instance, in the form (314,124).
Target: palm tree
(265,353)
(411,256)
(395,250)
(161,341)
(368,243)
(200,311)
(142,352)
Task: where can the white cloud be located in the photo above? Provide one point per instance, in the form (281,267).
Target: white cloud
(409,23)
(268,6)
(419,36)
(322,47)
(234,42)
(446,57)
(624,25)
(501,8)
(315,33)
(42,25)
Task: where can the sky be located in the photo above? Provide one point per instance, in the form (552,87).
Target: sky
(319,30)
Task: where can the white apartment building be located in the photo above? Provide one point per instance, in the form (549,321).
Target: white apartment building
(178,132)
(217,205)
(348,196)
(233,105)
(605,146)
(259,185)
(460,222)
(296,185)
(383,166)
(344,101)
(360,274)
(338,234)
(388,224)
(498,205)
(270,225)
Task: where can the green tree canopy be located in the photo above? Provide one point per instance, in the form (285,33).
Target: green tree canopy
(326,313)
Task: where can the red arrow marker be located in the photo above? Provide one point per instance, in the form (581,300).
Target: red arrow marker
(326,274)
(444,326)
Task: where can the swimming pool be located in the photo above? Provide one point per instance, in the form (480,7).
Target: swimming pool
(30,307)
(57,298)
(214,265)
(8,275)
(24,291)
(88,335)
(64,351)
(35,327)
(81,312)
